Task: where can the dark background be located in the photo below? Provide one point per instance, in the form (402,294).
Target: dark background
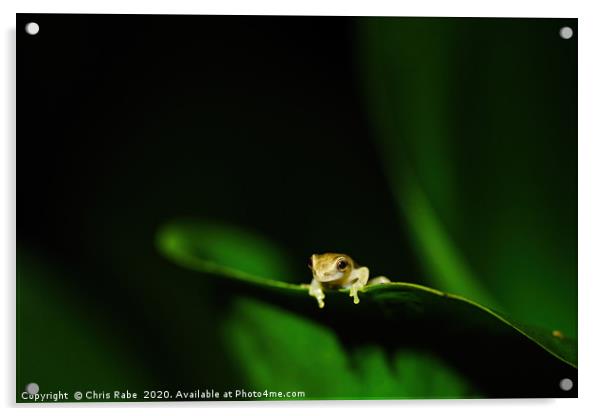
(126,122)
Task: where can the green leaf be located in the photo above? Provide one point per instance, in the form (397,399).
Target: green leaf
(62,344)
(476,123)
(496,355)
(288,352)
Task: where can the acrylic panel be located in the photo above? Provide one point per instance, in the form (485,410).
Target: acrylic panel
(295,208)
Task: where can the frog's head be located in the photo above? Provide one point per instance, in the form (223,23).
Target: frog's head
(328,267)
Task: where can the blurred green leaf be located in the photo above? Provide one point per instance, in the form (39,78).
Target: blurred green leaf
(62,343)
(475,120)
(281,350)
(398,318)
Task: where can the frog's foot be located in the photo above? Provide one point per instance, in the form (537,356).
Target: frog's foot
(318,294)
(353,293)
(378,280)
(320,300)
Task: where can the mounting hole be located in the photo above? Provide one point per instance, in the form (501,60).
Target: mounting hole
(566,32)
(32,28)
(32,388)
(566,384)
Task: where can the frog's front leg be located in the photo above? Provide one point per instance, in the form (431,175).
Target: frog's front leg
(378,281)
(359,281)
(315,290)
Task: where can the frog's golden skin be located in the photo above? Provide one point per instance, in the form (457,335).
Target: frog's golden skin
(336,270)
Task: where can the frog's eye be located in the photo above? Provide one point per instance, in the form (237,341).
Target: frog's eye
(342,265)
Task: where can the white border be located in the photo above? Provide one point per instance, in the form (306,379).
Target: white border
(590,183)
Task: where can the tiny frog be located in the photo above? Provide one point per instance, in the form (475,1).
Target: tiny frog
(334,270)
